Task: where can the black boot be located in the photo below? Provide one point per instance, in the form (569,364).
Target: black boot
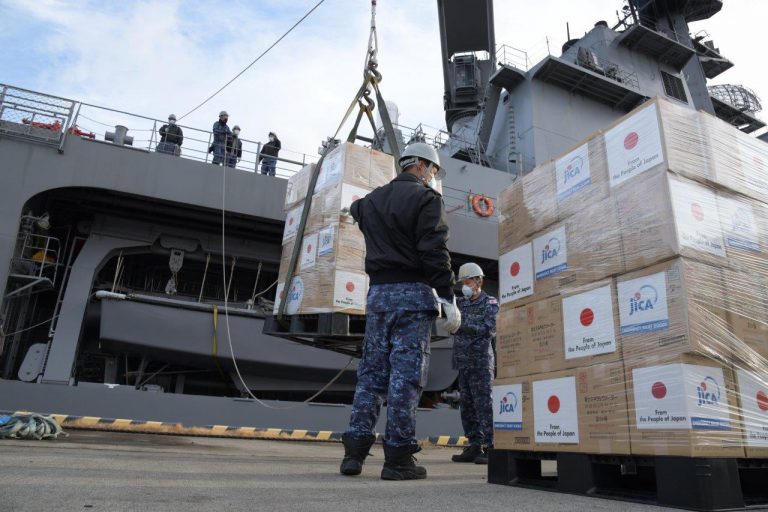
(469,454)
(482,458)
(400,464)
(355,452)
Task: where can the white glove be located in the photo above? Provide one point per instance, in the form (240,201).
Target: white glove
(450,318)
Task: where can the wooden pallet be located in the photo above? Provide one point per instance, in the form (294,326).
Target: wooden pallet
(704,484)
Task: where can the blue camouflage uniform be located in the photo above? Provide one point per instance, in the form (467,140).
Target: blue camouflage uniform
(395,360)
(473,358)
(408,264)
(221,133)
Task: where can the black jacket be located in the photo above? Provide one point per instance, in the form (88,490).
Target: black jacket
(271,148)
(171,134)
(405,235)
(234,146)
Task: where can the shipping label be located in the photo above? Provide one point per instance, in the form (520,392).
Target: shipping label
(550,253)
(696,217)
(660,401)
(573,173)
(555,411)
(332,169)
(643,304)
(295,296)
(634,146)
(681,396)
(350,290)
(508,407)
(292,220)
(326,241)
(588,323)
(754,164)
(309,251)
(739,224)
(350,194)
(516,274)
(753,394)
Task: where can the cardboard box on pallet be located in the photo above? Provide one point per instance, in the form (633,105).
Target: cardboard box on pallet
(325,208)
(581,177)
(582,249)
(673,308)
(348,163)
(512,358)
(663,215)
(330,274)
(527,206)
(655,137)
(512,414)
(739,161)
(581,410)
(684,406)
(752,391)
(745,232)
(579,327)
(747,308)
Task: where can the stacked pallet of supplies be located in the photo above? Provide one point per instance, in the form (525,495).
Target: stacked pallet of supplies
(633,278)
(330,273)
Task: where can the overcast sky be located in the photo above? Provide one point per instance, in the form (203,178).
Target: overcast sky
(156,57)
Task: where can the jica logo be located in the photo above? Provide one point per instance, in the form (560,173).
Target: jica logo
(708,392)
(573,169)
(508,403)
(550,250)
(643,300)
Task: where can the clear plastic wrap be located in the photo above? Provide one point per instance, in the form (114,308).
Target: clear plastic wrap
(330,273)
(634,313)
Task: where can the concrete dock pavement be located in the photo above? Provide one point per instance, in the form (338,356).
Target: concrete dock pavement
(116,472)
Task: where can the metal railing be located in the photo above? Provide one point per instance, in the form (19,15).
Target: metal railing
(512,57)
(196,144)
(33,115)
(37,257)
(49,119)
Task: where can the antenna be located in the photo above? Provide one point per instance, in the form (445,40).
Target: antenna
(568,30)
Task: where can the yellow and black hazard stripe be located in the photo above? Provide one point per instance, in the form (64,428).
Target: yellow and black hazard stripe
(179,429)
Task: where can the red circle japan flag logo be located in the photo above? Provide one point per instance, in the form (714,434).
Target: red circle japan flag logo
(631,140)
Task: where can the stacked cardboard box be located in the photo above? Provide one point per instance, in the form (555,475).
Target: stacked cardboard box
(638,295)
(330,271)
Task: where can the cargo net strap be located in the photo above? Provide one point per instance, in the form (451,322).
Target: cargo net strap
(633,282)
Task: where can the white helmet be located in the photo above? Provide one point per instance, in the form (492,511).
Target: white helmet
(423,151)
(468,270)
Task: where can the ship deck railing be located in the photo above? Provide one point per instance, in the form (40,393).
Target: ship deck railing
(47,119)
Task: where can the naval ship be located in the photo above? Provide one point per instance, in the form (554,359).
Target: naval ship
(111,260)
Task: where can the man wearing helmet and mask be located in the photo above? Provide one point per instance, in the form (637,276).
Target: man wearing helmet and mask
(221,133)
(473,358)
(410,274)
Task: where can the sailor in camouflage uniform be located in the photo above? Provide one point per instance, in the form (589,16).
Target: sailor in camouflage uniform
(410,277)
(473,358)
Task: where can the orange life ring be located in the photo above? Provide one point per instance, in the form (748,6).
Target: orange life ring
(486,210)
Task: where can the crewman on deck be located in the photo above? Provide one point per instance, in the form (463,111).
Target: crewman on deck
(221,134)
(268,156)
(409,267)
(473,358)
(234,147)
(171,137)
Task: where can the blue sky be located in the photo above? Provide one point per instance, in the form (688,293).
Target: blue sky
(156,57)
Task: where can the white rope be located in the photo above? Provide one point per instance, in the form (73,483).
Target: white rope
(226,311)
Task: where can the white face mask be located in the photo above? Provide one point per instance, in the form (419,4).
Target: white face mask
(236,132)
(171,121)
(467,291)
(271,139)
